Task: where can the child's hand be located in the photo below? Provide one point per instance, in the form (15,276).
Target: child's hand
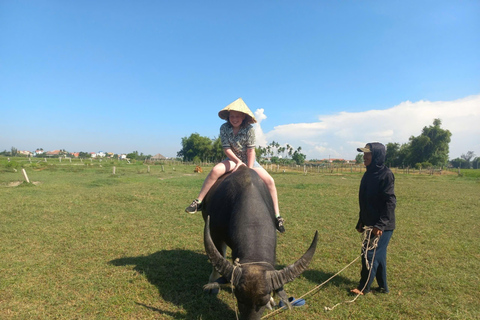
(239,163)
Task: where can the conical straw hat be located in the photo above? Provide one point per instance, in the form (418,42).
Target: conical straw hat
(240,106)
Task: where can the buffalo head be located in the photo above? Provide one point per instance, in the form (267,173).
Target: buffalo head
(255,282)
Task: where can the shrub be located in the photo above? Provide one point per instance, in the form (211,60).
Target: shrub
(423,165)
(12,165)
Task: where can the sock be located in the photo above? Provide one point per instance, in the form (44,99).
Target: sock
(199,201)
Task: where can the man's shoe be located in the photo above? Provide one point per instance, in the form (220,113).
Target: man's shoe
(194,207)
(279,224)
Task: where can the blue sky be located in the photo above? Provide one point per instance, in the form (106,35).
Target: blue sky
(123,76)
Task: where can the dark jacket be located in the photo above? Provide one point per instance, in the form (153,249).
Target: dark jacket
(376,196)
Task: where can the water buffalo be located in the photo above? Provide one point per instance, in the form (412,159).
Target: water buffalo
(238,213)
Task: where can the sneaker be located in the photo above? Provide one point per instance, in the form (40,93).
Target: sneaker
(194,207)
(279,224)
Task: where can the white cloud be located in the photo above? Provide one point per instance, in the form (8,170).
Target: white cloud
(338,135)
(260,115)
(259,135)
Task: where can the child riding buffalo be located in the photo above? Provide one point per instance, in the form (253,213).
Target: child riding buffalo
(238,141)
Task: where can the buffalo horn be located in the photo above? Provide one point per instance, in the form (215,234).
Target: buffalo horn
(280,277)
(222,265)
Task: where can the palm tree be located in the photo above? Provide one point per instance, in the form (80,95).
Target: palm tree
(269,150)
(281,150)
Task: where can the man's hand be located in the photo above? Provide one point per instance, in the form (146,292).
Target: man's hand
(360,228)
(377,232)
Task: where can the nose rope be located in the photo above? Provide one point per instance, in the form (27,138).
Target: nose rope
(237,264)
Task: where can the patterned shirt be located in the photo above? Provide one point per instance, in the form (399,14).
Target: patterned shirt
(240,142)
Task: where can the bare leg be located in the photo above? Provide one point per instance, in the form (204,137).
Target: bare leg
(217,171)
(267,178)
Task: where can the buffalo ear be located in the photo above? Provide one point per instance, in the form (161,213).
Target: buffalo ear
(280,277)
(222,265)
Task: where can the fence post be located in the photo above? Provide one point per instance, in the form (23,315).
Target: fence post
(113,170)
(25,175)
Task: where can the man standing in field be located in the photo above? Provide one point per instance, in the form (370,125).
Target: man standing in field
(377,216)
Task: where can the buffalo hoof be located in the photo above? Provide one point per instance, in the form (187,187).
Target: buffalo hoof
(214,287)
(211,288)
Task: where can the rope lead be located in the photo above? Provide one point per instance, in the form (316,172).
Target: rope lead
(366,246)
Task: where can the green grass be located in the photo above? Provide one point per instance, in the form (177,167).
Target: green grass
(470,173)
(83,243)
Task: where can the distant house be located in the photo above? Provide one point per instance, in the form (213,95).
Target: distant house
(158,157)
(54,153)
(25,153)
(330,160)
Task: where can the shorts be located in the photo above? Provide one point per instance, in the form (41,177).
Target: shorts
(255,164)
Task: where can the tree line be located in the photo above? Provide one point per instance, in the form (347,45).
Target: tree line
(429,149)
(134,155)
(196,148)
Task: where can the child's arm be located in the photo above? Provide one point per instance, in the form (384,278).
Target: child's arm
(229,153)
(251,157)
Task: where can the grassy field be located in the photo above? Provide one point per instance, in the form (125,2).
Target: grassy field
(82,243)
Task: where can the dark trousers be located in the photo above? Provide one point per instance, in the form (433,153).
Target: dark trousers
(379,267)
